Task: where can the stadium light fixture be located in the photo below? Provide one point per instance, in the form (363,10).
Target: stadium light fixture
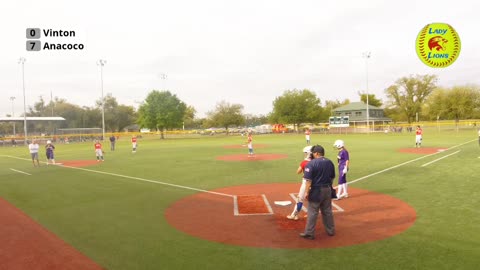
(102,63)
(13,114)
(22,62)
(366,55)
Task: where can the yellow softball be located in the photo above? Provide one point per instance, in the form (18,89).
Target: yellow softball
(438,45)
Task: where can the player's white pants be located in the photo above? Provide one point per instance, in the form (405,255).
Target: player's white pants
(418,139)
(300,198)
(301,192)
(98,152)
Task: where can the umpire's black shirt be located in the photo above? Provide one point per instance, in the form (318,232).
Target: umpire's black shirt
(320,171)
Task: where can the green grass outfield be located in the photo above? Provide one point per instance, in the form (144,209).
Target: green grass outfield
(120,223)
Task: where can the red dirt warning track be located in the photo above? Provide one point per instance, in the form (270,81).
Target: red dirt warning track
(367,216)
(27,245)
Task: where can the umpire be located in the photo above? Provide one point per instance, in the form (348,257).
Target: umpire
(319,174)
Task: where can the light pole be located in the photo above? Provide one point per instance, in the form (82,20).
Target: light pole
(102,63)
(367,56)
(22,62)
(13,115)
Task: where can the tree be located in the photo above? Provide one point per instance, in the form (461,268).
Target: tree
(372,100)
(189,117)
(226,115)
(409,93)
(296,107)
(124,117)
(255,120)
(117,117)
(57,107)
(161,110)
(458,102)
(331,105)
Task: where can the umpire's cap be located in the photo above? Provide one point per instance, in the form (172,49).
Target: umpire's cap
(318,149)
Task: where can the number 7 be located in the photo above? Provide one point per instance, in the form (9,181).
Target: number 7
(33,45)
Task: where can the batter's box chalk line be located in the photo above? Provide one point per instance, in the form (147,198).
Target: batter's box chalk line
(336,207)
(258,205)
(251,205)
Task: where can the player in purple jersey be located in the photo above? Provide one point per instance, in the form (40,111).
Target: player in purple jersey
(343,165)
(49,148)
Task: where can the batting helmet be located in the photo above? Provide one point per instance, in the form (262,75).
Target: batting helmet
(339,144)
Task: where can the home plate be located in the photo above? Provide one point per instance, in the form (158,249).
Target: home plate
(283,203)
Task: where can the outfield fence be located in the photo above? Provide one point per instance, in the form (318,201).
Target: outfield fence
(90,135)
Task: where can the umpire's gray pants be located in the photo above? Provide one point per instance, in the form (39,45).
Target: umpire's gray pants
(325,206)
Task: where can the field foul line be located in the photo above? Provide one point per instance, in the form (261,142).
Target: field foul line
(134,178)
(433,161)
(19,171)
(399,165)
(228,195)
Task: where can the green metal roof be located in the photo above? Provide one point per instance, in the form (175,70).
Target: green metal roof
(356,106)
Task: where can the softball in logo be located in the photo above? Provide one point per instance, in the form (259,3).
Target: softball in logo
(438,45)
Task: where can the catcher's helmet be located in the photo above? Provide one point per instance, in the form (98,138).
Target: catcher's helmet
(339,144)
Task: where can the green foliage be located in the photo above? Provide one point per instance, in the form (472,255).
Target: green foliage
(372,100)
(121,223)
(331,105)
(255,120)
(189,117)
(295,107)
(458,102)
(161,110)
(226,115)
(409,93)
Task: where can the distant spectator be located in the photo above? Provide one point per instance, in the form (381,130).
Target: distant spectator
(33,147)
(112,143)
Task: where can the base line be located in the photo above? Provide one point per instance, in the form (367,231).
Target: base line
(399,165)
(232,196)
(433,161)
(19,171)
(134,178)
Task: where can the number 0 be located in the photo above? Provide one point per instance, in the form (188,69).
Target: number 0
(32,32)
(33,45)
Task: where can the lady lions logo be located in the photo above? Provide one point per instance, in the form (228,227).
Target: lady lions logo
(438,45)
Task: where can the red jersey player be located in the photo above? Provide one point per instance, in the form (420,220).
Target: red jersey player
(134,144)
(98,151)
(418,137)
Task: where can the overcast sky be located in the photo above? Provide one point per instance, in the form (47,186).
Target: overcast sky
(245,52)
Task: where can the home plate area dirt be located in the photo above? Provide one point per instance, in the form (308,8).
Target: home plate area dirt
(251,218)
